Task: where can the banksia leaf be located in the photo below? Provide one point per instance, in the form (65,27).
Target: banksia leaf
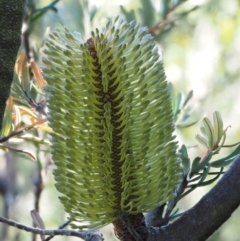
(110,110)
(7,120)
(40,81)
(213,135)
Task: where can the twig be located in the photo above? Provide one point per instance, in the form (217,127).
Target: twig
(87,236)
(7,189)
(158,25)
(38,189)
(215,173)
(60,227)
(25,38)
(21,131)
(38,183)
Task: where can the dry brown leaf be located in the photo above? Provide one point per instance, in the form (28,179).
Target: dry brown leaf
(21,64)
(40,81)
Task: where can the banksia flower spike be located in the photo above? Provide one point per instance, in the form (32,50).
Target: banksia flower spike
(110,110)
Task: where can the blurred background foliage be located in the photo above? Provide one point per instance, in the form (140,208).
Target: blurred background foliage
(199,43)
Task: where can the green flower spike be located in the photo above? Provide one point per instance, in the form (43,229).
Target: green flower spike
(110,108)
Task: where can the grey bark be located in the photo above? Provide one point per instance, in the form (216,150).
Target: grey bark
(202,220)
(11,15)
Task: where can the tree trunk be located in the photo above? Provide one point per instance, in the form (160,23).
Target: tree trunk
(11,15)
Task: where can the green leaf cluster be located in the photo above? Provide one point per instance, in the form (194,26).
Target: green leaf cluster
(195,172)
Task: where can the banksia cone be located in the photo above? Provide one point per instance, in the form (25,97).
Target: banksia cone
(110,110)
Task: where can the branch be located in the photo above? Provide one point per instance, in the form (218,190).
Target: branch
(11,15)
(201,221)
(156,28)
(7,189)
(87,236)
(155,217)
(21,131)
(60,227)
(38,183)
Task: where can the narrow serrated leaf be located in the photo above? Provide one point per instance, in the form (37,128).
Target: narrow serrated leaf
(34,139)
(178,104)
(226,160)
(186,124)
(38,221)
(201,163)
(22,151)
(40,81)
(45,128)
(209,131)
(7,120)
(218,127)
(189,96)
(17,117)
(25,110)
(202,129)
(4,148)
(202,140)
(195,163)
(185,160)
(203,177)
(20,64)
(201,184)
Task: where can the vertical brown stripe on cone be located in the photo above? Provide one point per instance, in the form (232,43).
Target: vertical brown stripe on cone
(110,97)
(104,98)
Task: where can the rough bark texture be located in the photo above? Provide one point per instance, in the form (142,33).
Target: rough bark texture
(201,221)
(11,15)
